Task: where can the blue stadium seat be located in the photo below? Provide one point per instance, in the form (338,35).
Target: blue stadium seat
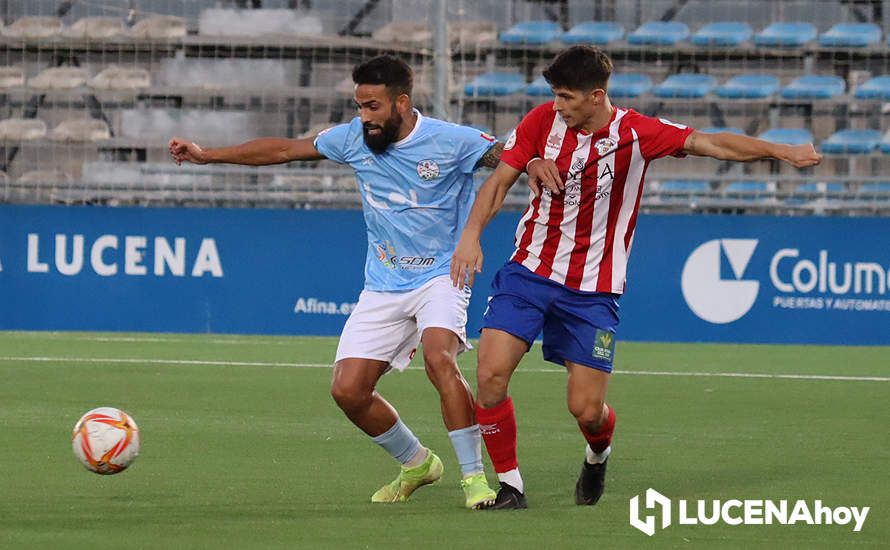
(880,189)
(787,136)
(750,188)
(495,84)
(539,87)
(821,188)
(594,32)
(724,33)
(851,35)
(814,87)
(852,142)
(885,144)
(786,34)
(686,85)
(718,129)
(684,187)
(659,33)
(877,87)
(629,84)
(749,86)
(531,32)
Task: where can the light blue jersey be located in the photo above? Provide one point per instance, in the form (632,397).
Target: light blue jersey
(416,196)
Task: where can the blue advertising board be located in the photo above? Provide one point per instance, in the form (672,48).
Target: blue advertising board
(691,278)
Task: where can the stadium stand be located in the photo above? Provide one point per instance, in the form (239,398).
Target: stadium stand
(218,73)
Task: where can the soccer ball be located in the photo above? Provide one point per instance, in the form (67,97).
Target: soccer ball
(105,440)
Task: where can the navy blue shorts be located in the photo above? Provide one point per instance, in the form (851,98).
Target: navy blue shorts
(577,326)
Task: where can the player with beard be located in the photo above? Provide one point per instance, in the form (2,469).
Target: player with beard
(415,175)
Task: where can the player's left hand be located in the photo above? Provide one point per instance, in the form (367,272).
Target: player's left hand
(802,156)
(466,261)
(544,172)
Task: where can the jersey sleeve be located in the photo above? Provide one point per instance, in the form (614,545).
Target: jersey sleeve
(335,143)
(659,137)
(523,143)
(472,144)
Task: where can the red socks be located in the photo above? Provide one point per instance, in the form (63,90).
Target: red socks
(600,440)
(498,425)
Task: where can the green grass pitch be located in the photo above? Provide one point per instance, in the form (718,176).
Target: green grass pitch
(243,447)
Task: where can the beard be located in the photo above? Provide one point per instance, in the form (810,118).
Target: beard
(389,132)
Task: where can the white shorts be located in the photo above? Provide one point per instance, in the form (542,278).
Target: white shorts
(386,326)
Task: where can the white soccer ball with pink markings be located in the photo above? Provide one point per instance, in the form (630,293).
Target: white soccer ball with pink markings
(106,440)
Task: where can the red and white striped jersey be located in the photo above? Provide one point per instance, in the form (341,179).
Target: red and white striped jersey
(582,237)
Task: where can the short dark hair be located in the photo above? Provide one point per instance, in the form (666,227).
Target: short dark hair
(390,71)
(581,68)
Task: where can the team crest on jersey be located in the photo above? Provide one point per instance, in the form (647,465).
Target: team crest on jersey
(605,146)
(428,169)
(511,141)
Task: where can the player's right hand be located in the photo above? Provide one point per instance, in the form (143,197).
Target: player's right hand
(466,262)
(188,151)
(544,172)
(803,156)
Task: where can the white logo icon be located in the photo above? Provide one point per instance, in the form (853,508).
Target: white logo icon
(711,297)
(653,497)
(511,141)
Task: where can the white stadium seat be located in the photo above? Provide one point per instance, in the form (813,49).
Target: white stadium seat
(12,77)
(22,129)
(116,77)
(34,27)
(95,28)
(60,78)
(80,130)
(160,27)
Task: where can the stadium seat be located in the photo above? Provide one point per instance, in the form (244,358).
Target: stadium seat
(59,78)
(885,143)
(257,22)
(495,84)
(852,142)
(719,129)
(22,129)
(37,177)
(415,33)
(685,85)
(594,32)
(629,84)
(874,190)
(787,136)
(116,77)
(786,35)
(215,74)
(159,27)
(80,130)
(751,191)
(12,77)
(821,188)
(725,33)
(95,28)
(749,86)
(851,35)
(472,33)
(539,87)
(877,87)
(531,32)
(684,187)
(659,33)
(814,87)
(34,27)
(205,127)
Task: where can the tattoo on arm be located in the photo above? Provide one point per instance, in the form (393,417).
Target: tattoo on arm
(491,157)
